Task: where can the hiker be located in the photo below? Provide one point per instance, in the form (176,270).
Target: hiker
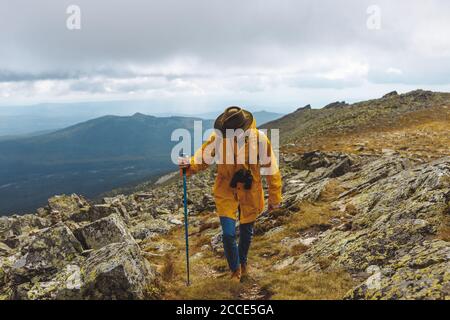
(238,190)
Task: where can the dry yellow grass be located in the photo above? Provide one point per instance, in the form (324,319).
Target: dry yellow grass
(423,134)
(168,269)
(209,275)
(331,191)
(297,249)
(201,240)
(209,279)
(291,285)
(444,231)
(310,215)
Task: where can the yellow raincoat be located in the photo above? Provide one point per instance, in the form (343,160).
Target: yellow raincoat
(227,199)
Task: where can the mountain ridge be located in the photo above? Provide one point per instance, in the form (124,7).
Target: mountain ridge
(20,120)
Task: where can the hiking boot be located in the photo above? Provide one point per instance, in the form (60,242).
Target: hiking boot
(236,275)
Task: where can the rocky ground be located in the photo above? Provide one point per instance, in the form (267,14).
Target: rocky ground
(383,220)
(363,217)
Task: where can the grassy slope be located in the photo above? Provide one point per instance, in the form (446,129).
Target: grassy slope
(415,124)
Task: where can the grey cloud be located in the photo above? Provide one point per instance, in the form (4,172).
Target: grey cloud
(229,46)
(110,72)
(225,33)
(88,86)
(14,76)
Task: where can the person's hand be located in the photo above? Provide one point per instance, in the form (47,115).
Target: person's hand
(184,162)
(272,207)
(184,165)
(183,168)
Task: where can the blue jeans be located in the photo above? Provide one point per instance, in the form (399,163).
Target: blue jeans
(236,254)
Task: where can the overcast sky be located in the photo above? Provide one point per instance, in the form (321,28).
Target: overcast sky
(200,55)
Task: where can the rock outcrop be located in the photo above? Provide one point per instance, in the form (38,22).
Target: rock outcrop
(391,211)
(117,271)
(58,255)
(102,232)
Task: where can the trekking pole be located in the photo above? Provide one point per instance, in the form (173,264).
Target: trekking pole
(186,234)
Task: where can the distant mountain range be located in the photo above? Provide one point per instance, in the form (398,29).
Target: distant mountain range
(90,158)
(25,120)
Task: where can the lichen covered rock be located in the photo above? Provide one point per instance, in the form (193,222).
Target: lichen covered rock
(396,215)
(423,273)
(48,251)
(117,271)
(102,232)
(151,227)
(62,207)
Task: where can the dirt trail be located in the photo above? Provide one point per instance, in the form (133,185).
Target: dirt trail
(209,273)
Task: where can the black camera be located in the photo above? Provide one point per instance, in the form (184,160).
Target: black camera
(242,176)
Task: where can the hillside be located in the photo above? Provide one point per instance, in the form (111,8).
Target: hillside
(365,215)
(90,158)
(414,123)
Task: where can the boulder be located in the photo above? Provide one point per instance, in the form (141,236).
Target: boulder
(65,285)
(418,95)
(150,227)
(300,109)
(93,213)
(322,165)
(16,242)
(117,271)
(61,207)
(102,232)
(337,104)
(390,94)
(17,225)
(162,211)
(48,251)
